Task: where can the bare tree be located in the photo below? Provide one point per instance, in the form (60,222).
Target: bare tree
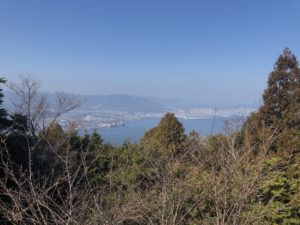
(235,176)
(53,199)
(35,105)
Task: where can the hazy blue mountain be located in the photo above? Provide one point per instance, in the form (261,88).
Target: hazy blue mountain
(176,102)
(128,103)
(136,103)
(118,102)
(123,103)
(150,104)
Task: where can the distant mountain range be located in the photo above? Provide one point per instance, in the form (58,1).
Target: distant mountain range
(128,103)
(116,110)
(123,103)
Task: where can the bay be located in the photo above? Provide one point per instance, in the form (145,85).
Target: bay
(134,130)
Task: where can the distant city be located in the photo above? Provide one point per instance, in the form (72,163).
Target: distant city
(99,111)
(101,115)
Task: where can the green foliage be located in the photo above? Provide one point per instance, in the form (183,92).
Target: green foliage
(251,176)
(169,133)
(279,193)
(281,98)
(281,104)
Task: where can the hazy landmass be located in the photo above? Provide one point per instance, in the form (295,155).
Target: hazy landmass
(97,111)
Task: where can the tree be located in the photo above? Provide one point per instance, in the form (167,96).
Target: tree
(279,113)
(4,121)
(282,96)
(38,109)
(276,125)
(169,133)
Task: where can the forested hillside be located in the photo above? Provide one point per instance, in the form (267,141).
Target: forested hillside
(247,176)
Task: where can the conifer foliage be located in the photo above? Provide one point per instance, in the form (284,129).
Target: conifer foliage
(282,96)
(169,133)
(4,122)
(281,101)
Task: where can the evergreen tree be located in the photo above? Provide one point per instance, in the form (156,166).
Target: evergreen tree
(4,121)
(169,133)
(15,142)
(279,113)
(282,96)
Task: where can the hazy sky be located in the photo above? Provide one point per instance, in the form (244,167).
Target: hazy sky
(209,51)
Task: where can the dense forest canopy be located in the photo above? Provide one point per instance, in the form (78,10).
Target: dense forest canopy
(51,175)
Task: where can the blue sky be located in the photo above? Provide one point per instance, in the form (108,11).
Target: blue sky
(208,51)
